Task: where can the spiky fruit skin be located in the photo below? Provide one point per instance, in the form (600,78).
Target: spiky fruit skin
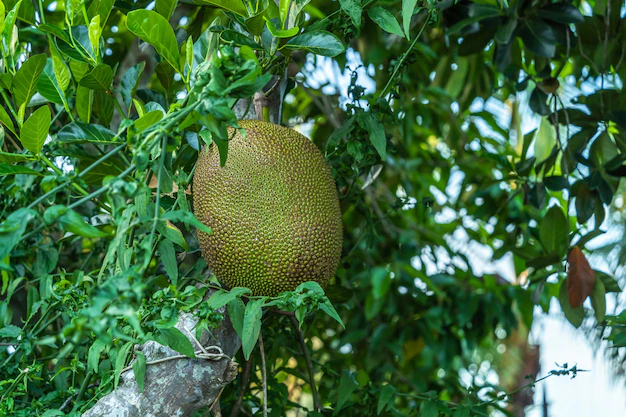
(273,210)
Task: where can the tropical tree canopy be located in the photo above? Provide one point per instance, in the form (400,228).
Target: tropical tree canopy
(477,148)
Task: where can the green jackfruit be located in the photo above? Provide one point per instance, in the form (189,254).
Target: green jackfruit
(273,209)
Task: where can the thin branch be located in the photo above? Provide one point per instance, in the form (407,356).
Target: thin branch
(84,386)
(309,364)
(244,383)
(15,145)
(404,55)
(264,374)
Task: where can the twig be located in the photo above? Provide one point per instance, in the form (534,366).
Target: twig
(263,374)
(215,407)
(284,313)
(244,383)
(83,388)
(69,399)
(309,364)
(404,55)
(272,88)
(6,135)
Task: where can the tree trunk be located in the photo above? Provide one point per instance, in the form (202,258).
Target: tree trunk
(176,387)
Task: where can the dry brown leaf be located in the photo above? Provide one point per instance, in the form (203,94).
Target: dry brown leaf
(580,278)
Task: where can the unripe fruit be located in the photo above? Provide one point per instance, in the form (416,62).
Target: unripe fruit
(273,209)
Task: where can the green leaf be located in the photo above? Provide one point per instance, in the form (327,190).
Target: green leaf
(609,282)
(230,35)
(598,300)
(206,44)
(280,33)
(230,5)
(93,357)
(10,332)
(99,79)
(556,182)
(295,8)
(354,10)
(72,8)
(385,20)
(189,54)
(147,120)
(5,119)
(386,394)
(222,148)
(165,73)
(6,169)
(377,135)
(318,42)
(554,231)
(95,32)
(505,32)
(153,28)
(538,37)
(221,297)
(381,281)
(172,233)
(561,13)
(251,326)
(545,140)
(176,340)
(9,25)
(166,7)
(283,11)
(2,11)
(461,412)
(429,409)
(537,102)
(477,12)
(73,222)
(120,361)
(61,72)
(329,309)
(130,82)
(139,369)
(35,130)
(84,101)
(408,8)
(168,257)
(25,81)
(26,13)
(56,31)
(103,8)
(48,86)
(11,158)
(12,229)
(347,385)
(78,132)
(236,311)
(186,217)
(573,315)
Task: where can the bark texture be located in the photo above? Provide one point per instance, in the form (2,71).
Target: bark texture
(175,387)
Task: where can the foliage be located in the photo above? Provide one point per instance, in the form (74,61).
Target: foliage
(106,104)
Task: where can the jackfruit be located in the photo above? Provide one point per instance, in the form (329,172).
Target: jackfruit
(273,210)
